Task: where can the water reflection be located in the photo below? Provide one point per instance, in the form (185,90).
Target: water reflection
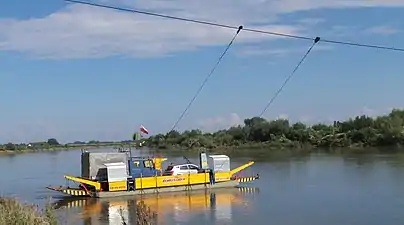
(215,206)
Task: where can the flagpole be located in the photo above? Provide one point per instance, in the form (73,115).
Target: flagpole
(139,141)
(142,129)
(136,139)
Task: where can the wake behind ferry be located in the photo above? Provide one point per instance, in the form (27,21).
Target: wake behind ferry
(114,174)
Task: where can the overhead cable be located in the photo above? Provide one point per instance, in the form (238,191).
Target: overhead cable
(235,27)
(316,40)
(207,78)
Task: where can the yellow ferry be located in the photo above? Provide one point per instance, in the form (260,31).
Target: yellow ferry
(114,174)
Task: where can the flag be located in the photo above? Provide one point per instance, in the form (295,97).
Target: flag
(143,129)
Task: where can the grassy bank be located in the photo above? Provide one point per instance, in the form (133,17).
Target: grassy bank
(13,212)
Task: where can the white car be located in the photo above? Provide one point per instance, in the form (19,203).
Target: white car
(181,169)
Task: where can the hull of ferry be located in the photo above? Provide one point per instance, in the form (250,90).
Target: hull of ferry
(153,185)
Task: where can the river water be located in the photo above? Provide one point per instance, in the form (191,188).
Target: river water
(308,189)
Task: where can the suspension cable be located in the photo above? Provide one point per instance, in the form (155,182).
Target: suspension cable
(234,27)
(316,40)
(207,78)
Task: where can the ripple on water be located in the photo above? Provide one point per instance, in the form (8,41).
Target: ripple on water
(315,190)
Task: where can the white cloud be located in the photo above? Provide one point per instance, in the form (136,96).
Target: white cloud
(376,112)
(293,6)
(383,30)
(388,110)
(305,119)
(283,116)
(81,31)
(252,8)
(259,51)
(248,51)
(78,31)
(311,21)
(220,122)
(368,111)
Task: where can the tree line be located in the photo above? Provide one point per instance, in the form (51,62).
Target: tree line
(361,131)
(52,143)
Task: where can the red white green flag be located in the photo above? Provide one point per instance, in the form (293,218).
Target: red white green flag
(143,129)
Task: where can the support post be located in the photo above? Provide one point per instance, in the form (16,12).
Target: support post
(141,183)
(156,188)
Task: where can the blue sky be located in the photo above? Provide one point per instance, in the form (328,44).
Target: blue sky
(79,73)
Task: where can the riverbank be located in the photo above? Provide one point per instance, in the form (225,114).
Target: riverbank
(64,148)
(361,132)
(278,147)
(228,149)
(13,212)
(355,133)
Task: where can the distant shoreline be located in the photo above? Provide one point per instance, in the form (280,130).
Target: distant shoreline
(62,148)
(269,146)
(357,133)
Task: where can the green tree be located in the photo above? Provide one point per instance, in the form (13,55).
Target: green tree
(10,146)
(384,130)
(361,130)
(53,142)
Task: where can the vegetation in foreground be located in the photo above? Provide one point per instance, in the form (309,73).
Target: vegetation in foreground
(358,132)
(13,212)
(144,215)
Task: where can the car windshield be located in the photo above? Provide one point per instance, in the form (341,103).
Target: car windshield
(185,167)
(193,167)
(169,168)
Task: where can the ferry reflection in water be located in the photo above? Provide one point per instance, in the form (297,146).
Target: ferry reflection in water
(214,205)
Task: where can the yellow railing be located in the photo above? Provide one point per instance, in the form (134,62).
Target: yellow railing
(240,168)
(95,184)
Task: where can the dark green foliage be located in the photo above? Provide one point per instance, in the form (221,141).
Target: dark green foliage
(53,142)
(362,131)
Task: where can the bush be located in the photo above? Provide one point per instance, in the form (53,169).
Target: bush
(144,215)
(13,212)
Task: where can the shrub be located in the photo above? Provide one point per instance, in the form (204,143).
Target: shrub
(12,212)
